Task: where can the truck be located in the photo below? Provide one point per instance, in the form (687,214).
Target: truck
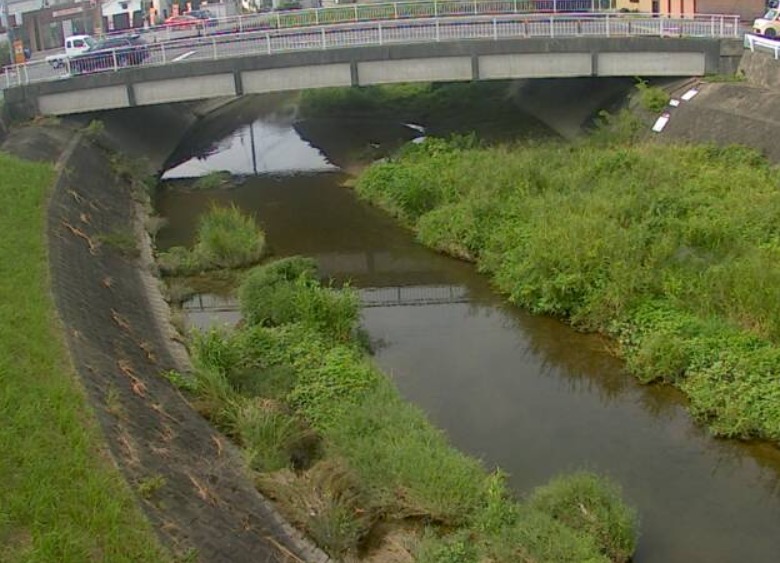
(74,45)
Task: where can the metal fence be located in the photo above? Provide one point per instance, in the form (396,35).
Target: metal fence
(758,43)
(369,297)
(381,32)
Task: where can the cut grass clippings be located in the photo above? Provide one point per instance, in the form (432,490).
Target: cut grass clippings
(61,499)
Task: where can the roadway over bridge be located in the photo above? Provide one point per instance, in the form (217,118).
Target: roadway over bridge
(431,49)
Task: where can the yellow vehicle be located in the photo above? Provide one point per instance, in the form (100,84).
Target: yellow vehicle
(769,25)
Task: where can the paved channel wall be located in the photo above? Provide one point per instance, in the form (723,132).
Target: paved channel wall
(746,113)
(205,505)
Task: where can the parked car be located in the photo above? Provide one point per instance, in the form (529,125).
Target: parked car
(183,21)
(769,25)
(111,52)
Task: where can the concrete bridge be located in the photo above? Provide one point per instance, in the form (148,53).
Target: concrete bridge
(433,49)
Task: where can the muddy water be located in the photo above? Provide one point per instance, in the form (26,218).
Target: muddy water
(523,393)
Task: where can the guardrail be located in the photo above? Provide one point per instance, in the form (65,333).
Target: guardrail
(353,13)
(754,42)
(463,28)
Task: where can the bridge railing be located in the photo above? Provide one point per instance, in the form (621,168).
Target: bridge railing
(758,43)
(451,28)
(375,11)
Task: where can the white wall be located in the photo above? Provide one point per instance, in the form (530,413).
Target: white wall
(114,7)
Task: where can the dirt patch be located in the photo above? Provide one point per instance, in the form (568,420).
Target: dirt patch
(190,481)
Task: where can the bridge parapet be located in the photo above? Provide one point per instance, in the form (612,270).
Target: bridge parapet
(433,49)
(502,21)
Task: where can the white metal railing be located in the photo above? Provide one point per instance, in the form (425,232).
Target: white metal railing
(754,42)
(413,9)
(381,32)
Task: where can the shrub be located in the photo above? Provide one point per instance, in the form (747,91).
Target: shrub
(177,260)
(212,180)
(226,238)
(281,385)
(588,503)
(286,291)
(94,130)
(600,231)
(266,434)
(652,98)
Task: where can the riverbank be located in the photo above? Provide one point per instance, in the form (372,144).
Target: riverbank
(62,499)
(186,477)
(357,468)
(680,274)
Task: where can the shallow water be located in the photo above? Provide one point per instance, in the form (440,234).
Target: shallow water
(524,393)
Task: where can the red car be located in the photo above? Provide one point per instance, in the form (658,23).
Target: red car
(183,22)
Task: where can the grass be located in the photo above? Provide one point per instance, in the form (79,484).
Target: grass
(672,250)
(738,76)
(293,386)
(212,180)
(652,98)
(61,499)
(124,241)
(226,238)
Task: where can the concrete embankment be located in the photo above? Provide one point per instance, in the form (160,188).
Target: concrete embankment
(201,501)
(746,113)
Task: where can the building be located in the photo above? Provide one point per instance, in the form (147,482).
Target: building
(746,9)
(124,14)
(46,28)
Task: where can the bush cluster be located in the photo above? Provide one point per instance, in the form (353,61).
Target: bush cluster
(226,238)
(294,388)
(674,250)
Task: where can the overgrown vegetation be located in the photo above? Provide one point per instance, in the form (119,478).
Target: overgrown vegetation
(294,388)
(652,98)
(212,180)
(61,499)
(738,76)
(226,238)
(123,241)
(672,250)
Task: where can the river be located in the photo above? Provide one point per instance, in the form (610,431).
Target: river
(525,393)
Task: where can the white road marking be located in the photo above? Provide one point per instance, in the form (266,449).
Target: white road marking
(184,56)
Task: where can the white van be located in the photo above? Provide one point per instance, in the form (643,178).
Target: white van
(74,45)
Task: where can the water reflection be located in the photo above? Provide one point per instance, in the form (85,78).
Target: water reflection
(260,147)
(522,392)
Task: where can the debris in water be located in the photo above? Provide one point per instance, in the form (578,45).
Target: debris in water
(418,128)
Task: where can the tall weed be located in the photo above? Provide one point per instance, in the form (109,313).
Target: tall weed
(595,231)
(282,378)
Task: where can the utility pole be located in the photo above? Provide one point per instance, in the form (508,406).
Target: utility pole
(8,31)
